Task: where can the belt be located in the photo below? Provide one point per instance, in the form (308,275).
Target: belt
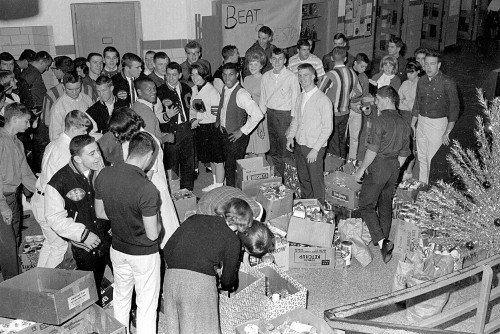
(40,193)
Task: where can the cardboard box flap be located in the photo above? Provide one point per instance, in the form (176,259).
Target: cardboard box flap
(339,178)
(308,232)
(252,164)
(276,283)
(50,296)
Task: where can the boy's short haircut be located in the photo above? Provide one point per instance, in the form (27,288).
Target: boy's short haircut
(141,144)
(193,45)
(77,119)
(93,54)
(128,58)
(174,66)
(279,51)
(339,53)
(433,54)
(77,144)
(110,49)
(161,55)
(28,55)
(104,79)
(228,51)
(43,56)
(71,77)
(266,30)
(361,57)
(303,42)
(15,109)
(64,63)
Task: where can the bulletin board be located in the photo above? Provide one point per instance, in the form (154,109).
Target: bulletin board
(355,18)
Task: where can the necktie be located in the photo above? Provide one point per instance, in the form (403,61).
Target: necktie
(178,104)
(132,92)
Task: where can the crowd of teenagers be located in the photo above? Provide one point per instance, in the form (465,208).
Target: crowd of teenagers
(95,153)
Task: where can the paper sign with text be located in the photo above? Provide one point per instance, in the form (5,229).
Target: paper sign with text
(242,20)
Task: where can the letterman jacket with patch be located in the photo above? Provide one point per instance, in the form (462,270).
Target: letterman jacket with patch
(69,206)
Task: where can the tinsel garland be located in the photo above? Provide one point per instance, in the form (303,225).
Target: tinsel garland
(466,215)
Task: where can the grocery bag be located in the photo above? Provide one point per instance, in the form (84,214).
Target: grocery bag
(352,230)
(431,303)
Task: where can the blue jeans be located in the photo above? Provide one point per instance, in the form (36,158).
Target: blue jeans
(375,199)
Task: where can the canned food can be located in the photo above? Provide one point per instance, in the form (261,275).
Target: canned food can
(346,251)
(424,240)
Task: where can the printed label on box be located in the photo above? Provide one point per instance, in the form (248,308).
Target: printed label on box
(340,196)
(260,176)
(317,255)
(79,298)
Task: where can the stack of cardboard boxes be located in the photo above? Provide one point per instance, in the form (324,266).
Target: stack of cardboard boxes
(304,239)
(53,301)
(252,173)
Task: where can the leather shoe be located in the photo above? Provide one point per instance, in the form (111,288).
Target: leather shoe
(386,250)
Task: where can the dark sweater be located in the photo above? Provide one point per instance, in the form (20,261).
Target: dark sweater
(100,114)
(128,196)
(201,243)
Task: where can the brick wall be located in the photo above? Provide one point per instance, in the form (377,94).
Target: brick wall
(38,38)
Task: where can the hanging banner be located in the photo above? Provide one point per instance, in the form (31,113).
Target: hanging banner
(241,22)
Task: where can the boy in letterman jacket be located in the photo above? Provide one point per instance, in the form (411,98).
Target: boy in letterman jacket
(70,212)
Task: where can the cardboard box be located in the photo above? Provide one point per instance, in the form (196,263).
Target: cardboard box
(278,282)
(300,315)
(275,207)
(252,169)
(311,257)
(298,257)
(308,232)
(92,320)
(29,252)
(50,296)
(407,195)
(245,303)
(341,212)
(333,163)
(342,189)
(405,235)
(174,185)
(251,188)
(107,293)
(184,202)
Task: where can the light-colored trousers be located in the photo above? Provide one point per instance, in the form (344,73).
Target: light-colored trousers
(429,134)
(54,247)
(355,122)
(143,272)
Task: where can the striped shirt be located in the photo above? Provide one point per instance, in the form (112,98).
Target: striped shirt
(341,85)
(295,61)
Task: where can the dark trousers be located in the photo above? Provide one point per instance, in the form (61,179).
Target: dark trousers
(180,156)
(10,237)
(95,260)
(376,194)
(337,143)
(278,122)
(312,181)
(233,151)
(40,141)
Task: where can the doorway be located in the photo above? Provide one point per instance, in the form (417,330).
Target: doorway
(102,24)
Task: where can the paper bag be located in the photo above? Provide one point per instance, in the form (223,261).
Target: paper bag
(431,303)
(352,229)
